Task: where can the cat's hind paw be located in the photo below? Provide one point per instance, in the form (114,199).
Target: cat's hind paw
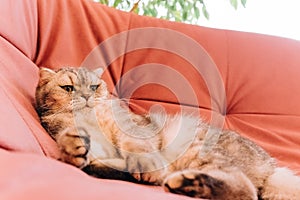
(193,183)
(74,145)
(145,169)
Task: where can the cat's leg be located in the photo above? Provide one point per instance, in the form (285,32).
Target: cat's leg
(281,185)
(74,145)
(109,169)
(212,184)
(146,168)
(143,159)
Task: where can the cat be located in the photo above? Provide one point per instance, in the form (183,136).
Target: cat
(99,134)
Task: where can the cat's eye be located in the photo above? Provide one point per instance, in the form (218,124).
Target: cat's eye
(94,87)
(68,88)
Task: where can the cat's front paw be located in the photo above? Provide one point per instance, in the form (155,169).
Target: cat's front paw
(74,145)
(194,184)
(145,168)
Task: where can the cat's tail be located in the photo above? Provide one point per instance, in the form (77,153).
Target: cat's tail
(283,184)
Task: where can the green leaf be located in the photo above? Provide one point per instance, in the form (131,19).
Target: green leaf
(173,7)
(103,2)
(189,6)
(116,3)
(244,2)
(177,16)
(153,12)
(146,12)
(185,15)
(205,12)
(181,2)
(234,3)
(196,11)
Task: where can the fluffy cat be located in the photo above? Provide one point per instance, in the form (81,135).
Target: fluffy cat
(98,134)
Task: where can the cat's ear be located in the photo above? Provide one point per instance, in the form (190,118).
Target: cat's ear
(46,75)
(99,72)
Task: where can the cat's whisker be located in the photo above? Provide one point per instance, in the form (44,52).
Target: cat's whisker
(77,104)
(60,110)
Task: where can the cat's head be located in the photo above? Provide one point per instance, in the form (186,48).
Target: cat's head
(69,89)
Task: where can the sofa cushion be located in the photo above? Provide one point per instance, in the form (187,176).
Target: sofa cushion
(241,81)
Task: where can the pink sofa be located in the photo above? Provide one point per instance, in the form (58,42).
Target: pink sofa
(241,81)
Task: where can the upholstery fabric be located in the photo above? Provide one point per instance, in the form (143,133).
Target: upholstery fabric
(240,81)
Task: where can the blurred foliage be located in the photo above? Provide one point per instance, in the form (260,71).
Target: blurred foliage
(188,11)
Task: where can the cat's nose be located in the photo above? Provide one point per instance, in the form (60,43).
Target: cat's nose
(86,96)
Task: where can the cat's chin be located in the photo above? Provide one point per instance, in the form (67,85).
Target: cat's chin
(83,107)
